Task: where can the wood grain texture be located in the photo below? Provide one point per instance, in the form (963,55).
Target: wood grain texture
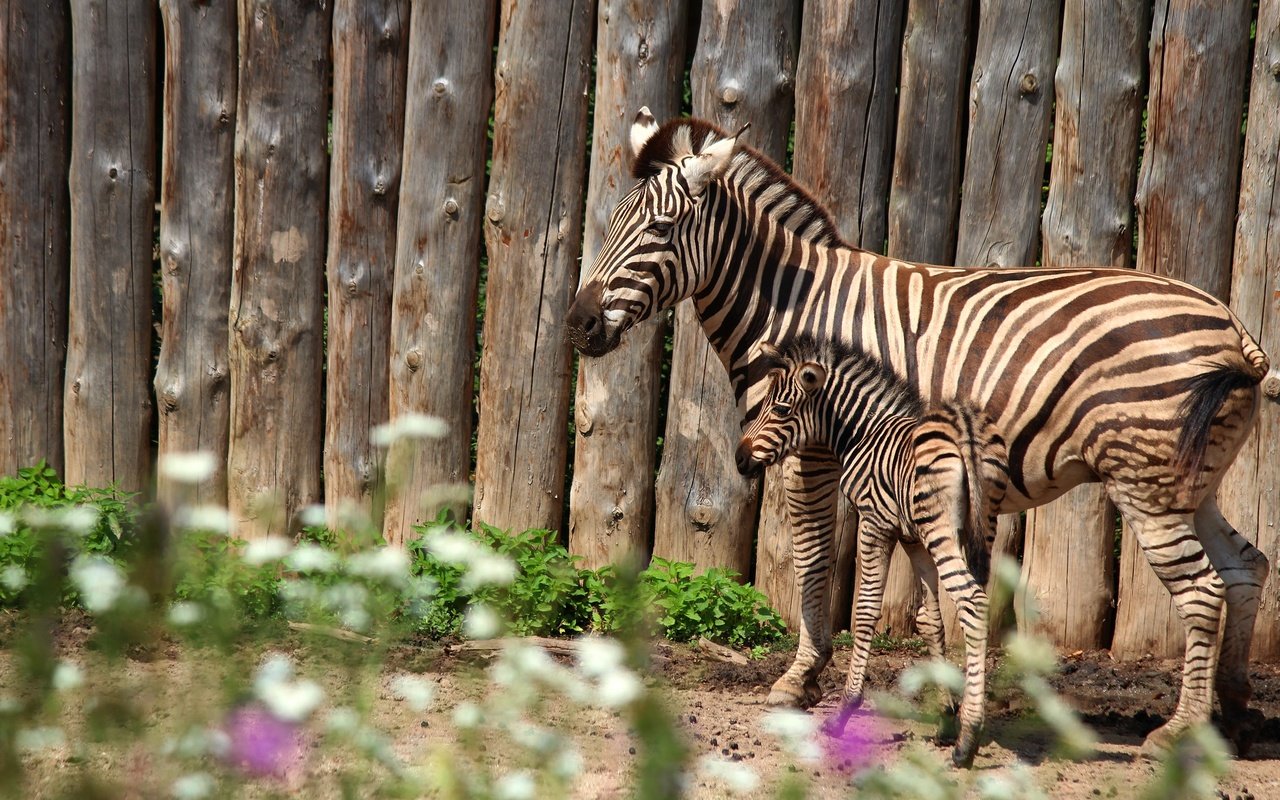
(277,288)
(35,208)
(743,72)
(1069,565)
(640,52)
(845,116)
(107,413)
(924,199)
(533,233)
(1010,111)
(433,317)
(370,59)
(1248,497)
(197,212)
(1186,210)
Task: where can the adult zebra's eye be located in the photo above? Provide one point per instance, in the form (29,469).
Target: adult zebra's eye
(660,227)
(780,409)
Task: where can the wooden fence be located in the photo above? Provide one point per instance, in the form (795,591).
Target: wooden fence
(330,237)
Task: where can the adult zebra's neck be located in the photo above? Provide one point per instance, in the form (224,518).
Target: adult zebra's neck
(764,234)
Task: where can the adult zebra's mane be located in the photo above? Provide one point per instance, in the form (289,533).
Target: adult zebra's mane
(839,356)
(791,204)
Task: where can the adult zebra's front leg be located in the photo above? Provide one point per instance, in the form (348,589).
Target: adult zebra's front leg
(812,483)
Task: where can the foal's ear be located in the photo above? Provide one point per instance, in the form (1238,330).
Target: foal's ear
(812,376)
(769,358)
(710,165)
(642,130)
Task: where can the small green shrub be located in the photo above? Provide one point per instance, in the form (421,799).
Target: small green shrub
(713,604)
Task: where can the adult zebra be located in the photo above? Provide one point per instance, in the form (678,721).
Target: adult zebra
(1138,381)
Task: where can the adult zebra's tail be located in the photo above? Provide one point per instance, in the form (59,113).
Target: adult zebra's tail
(976,541)
(1206,394)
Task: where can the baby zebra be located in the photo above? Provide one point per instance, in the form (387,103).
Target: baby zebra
(928,475)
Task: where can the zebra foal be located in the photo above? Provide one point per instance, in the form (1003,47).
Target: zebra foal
(930,476)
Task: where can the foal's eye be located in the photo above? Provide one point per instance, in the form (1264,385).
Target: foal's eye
(660,227)
(780,409)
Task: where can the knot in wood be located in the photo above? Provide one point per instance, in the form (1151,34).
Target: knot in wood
(642,52)
(494,208)
(616,514)
(583,420)
(440,86)
(451,208)
(169,399)
(380,186)
(413,359)
(730,95)
(1275,69)
(702,518)
(113,173)
(1029,84)
(353,287)
(1271,387)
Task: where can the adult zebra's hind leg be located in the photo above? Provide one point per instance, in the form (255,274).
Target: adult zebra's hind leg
(1243,569)
(812,486)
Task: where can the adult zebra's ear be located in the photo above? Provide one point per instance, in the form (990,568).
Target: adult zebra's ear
(642,130)
(710,165)
(812,376)
(769,358)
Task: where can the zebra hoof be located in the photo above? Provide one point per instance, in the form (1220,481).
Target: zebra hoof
(785,694)
(1244,731)
(1159,742)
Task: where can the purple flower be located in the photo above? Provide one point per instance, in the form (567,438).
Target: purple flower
(859,745)
(262,744)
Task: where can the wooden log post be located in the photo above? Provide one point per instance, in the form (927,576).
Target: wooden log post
(1010,110)
(433,311)
(924,198)
(1068,564)
(845,115)
(277,288)
(743,72)
(107,413)
(370,54)
(35,126)
(1249,496)
(639,61)
(534,237)
(1186,210)
(197,211)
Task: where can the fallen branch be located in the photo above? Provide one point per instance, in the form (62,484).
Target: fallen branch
(334,633)
(562,647)
(721,653)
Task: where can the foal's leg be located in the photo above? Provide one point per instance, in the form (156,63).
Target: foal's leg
(929,624)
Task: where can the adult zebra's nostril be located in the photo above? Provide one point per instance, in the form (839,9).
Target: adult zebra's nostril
(742,458)
(590,325)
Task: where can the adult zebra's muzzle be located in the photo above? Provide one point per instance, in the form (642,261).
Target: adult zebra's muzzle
(585,324)
(747,465)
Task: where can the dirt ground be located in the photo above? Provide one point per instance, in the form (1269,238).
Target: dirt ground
(719,706)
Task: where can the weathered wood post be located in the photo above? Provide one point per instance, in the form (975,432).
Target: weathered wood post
(534,237)
(1068,563)
(1186,210)
(1010,111)
(277,288)
(743,71)
(1249,493)
(433,316)
(35,125)
(197,210)
(107,414)
(370,51)
(845,115)
(924,198)
(639,61)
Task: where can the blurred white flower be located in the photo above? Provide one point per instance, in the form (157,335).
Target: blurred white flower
(481,622)
(214,519)
(599,655)
(67,675)
(342,720)
(356,618)
(567,764)
(312,516)
(518,785)
(195,786)
(452,548)
(414,691)
(489,569)
(99,582)
(270,548)
(79,520)
(1017,784)
(287,699)
(311,557)
(740,778)
(934,672)
(409,426)
(1031,654)
(618,688)
(31,740)
(189,468)
(184,613)
(8,523)
(796,730)
(14,578)
(467,715)
(382,563)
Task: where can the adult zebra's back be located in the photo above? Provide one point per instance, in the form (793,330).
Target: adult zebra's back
(1138,381)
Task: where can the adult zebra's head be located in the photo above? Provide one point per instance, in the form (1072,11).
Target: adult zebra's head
(787,420)
(643,265)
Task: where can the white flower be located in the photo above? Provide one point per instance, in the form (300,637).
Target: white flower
(1030,654)
(195,786)
(934,672)
(67,675)
(518,785)
(214,519)
(14,578)
(184,613)
(409,426)
(599,655)
(342,720)
(414,691)
(276,668)
(78,520)
(384,563)
(8,523)
(740,778)
(481,622)
(270,548)
(567,764)
(313,516)
(796,729)
(453,548)
(287,699)
(489,569)
(189,468)
(30,740)
(99,582)
(311,557)
(1018,784)
(618,688)
(467,715)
